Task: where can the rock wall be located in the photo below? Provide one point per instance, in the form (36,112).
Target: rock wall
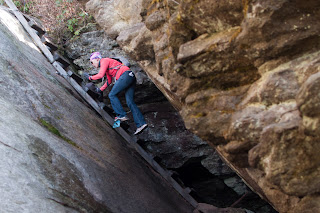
(243,75)
(167,139)
(57,154)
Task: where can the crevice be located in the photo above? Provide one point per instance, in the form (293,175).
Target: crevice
(63,204)
(10,147)
(211,189)
(206,187)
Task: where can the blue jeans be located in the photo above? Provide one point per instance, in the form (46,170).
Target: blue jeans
(126,82)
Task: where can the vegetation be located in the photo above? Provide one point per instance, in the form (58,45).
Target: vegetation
(55,131)
(62,19)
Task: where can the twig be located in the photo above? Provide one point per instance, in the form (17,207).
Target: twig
(238,201)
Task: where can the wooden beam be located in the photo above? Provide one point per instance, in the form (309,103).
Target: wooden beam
(30,30)
(46,41)
(36,27)
(57,57)
(245,176)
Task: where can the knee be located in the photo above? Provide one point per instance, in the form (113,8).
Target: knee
(130,102)
(111,95)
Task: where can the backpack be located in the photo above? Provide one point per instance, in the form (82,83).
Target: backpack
(122,60)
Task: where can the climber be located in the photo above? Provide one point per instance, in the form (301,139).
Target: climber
(125,80)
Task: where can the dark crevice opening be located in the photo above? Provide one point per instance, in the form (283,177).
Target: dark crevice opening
(211,189)
(206,187)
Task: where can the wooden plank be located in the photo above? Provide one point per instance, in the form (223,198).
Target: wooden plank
(187,190)
(57,57)
(46,41)
(166,175)
(60,69)
(76,86)
(76,77)
(31,31)
(36,27)
(245,176)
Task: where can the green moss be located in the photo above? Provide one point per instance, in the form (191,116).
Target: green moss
(199,115)
(196,104)
(179,17)
(57,117)
(55,131)
(50,127)
(245,4)
(46,106)
(70,142)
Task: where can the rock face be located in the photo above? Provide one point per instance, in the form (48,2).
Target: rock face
(57,155)
(167,139)
(115,22)
(244,76)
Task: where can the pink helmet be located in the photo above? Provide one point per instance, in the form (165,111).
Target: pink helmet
(95,55)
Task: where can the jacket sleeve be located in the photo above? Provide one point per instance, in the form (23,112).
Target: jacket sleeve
(108,82)
(104,64)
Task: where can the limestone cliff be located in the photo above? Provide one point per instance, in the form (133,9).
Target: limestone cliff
(244,76)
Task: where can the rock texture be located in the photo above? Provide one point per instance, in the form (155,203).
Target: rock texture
(243,75)
(167,139)
(57,155)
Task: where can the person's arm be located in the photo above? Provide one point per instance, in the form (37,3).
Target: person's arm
(108,82)
(104,64)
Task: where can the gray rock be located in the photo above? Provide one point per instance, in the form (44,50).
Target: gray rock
(57,154)
(236,184)
(155,20)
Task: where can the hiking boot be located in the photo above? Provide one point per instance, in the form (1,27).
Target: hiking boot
(124,118)
(140,129)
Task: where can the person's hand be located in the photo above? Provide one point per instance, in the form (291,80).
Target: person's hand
(99,92)
(86,76)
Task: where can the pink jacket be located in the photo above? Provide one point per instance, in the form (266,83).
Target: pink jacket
(110,68)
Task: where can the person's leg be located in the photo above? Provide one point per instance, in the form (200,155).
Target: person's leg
(136,113)
(122,83)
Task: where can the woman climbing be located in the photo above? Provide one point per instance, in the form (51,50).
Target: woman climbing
(125,80)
